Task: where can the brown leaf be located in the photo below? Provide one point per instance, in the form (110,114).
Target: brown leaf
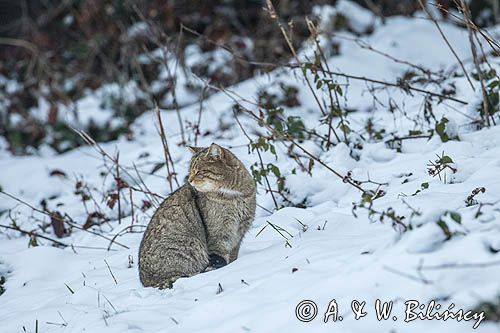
(120,183)
(145,205)
(261,118)
(113,198)
(57,221)
(94,218)
(52,116)
(311,164)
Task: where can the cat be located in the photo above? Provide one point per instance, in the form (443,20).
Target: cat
(200,226)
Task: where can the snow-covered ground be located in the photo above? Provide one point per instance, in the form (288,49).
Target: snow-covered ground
(325,253)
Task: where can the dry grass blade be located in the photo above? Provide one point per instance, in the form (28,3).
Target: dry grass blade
(110,271)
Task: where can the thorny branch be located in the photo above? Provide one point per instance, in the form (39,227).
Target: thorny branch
(68,221)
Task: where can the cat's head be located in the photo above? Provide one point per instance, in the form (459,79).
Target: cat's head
(212,169)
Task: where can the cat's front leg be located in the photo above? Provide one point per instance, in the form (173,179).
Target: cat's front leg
(216,261)
(222,239)
(242,230)
(234,253)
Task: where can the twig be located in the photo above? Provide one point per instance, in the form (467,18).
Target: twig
(401,138)
(166,151)
(260,158)
(299,65)
(32,48)
(74,225)
(409,276)
(118,187)
(447,42)
(94,233)
(464,265)
(33,233)
(131,207)
(495,46)
(366,46)
(405,87)
(486,114)
(291,140)
(274,16)
(91,142)
(314,33)
(156,33)
(173,79)
(200,110)
(122,232)
(148,192)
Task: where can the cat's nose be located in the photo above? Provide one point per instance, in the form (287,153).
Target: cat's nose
(190,178)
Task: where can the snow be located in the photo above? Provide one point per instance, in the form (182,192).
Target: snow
(359,21)
(336,256)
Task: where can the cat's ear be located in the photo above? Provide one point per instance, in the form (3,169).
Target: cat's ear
(194,150)
(215,151)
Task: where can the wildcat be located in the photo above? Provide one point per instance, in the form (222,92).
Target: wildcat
(200,226)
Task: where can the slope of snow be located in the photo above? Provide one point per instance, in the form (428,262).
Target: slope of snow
(336,256)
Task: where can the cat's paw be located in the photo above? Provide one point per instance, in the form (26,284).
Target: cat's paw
(215,261)
(208,269)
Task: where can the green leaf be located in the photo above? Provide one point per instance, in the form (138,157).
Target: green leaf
(336,112)
(275,170)
(317,61)
(490,74)
(493,84)
(344,128)
(493,100)
(273,150)
(444,228)
(338,89)
(456,217)
(366,197)
(446,160)
(441,129)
